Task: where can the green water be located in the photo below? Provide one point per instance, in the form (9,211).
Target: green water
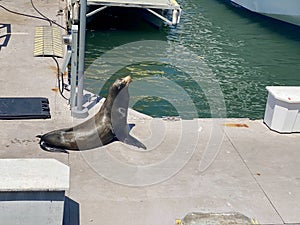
(244,51)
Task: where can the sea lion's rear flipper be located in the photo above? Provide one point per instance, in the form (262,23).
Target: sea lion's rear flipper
(133,141)
(49,148)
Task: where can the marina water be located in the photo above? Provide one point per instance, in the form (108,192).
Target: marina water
(245,52)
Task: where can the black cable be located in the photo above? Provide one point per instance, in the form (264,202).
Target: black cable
(60,80)
(32,16)
(42,15)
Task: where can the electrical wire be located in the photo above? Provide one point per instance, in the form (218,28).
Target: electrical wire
(38,11)
(60,79)
(32,16)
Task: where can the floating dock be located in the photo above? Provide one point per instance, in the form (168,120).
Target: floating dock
(153,4)
(168,11)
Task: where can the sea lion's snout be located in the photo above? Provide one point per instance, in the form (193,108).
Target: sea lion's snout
(127,79)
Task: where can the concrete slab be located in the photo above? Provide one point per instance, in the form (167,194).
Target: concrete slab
(273,161)
(27,208)
(225,186)
(32,191)
(33,175)
(24,75)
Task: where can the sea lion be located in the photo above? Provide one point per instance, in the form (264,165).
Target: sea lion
(107,125)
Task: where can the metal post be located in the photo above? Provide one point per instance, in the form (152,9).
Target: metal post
(79,111)
(74,65)
(82,28)
(66,61)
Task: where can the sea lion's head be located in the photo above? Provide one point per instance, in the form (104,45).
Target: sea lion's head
(119,85)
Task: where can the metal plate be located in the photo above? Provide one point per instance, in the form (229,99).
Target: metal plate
(24,108)
(48,41)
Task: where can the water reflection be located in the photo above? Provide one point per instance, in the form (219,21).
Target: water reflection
(245,51)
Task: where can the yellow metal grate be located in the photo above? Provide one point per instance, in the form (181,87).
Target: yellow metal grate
(48,41)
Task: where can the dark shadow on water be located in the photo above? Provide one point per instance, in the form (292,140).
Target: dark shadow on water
(71,212)
(118,18)
(5,34)
(115,27)
(285,29)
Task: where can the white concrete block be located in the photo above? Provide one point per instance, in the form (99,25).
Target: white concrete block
(32,191)
(282,109)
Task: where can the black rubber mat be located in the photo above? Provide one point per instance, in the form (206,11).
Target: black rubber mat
(24,108)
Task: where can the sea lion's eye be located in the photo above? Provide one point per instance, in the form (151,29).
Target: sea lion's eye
(121,85)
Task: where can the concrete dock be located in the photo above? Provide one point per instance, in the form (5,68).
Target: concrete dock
(200,165)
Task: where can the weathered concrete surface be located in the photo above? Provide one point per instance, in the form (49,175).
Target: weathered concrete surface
(192,166)
(228,184)
(28,208)
(33,175)
(273,160)
(32,191)
(23,75)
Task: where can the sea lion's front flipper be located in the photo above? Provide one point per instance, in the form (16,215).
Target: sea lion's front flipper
(133,141)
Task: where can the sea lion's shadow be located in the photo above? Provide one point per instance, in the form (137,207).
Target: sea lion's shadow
(130,126)
(130,140)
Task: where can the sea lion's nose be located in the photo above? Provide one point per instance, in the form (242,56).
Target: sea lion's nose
(127,79)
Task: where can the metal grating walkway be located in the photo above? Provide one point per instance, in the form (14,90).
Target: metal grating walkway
(48,41)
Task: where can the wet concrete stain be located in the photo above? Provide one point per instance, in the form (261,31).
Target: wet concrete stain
(236,125)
